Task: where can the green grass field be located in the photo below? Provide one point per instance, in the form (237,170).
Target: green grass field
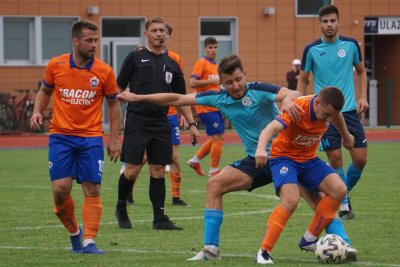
(31,235)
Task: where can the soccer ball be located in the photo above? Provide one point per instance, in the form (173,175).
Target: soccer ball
(331,249)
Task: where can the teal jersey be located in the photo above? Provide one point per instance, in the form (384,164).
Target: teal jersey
(249,114)
(332,65)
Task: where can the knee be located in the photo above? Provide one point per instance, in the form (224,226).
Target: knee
(130,174)
(340,191)
(214,187)
(60,194)
(290,203)
(360,163)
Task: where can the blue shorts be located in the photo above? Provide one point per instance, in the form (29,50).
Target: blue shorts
(75,156)
(212,122)
(175,134)
(261,176)
(309,174)
(332,139)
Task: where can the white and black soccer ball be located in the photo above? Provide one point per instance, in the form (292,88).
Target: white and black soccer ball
(331,249)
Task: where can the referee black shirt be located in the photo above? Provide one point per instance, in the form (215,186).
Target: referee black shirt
(149,73)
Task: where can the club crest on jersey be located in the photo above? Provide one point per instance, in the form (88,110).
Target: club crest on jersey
(284,170)
(168,77)
(246,101)
(94,81)
(341,52)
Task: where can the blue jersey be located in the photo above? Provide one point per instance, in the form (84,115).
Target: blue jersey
(332,65)
(249,114)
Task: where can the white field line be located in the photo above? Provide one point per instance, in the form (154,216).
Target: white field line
(223,255)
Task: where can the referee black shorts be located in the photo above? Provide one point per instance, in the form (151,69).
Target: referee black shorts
(150,135)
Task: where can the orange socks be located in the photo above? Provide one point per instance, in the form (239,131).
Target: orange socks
(215,154)
(175,178)
(66,213)
(275,224)
(205,149)
(324,213)
(91,214)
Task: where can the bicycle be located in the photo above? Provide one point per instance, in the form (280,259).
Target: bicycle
(7,114)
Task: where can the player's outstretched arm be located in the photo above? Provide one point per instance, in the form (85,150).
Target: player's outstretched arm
(161,99)
(270,130)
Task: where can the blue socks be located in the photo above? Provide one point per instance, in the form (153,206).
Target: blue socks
(353,175)
(345,202)
(212,224)
(336,227)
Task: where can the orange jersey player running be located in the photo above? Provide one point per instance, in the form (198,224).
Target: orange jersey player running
(294,162)
(79,82)
(205,78)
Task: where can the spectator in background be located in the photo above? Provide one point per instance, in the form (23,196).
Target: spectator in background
(293,75)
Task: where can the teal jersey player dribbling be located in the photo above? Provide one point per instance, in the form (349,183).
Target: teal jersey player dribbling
(332,64)
(244,113)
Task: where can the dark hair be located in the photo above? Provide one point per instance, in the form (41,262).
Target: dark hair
(78,26)
(169,29)
(328,9)
(331,95)
(229,64)
(210,40)
(154,20)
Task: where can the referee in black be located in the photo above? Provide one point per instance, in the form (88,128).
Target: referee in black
(149,71)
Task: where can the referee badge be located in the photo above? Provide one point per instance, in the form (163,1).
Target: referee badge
(168,77)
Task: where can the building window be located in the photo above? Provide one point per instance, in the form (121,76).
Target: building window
(56,37)
(114,27)
(17,39)
(34,40)
(224,30)
(310,8)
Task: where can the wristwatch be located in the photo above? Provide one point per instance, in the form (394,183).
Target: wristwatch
(193,124)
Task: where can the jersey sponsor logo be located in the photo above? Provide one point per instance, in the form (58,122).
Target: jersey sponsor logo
(246,101)
(168,77)
(213,76)
(341,52)
(303,140)
(77,96)
(284,170)
(145,60)
(94,81)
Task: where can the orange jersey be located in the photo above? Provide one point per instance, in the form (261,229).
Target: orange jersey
(78,95)
(172,109)
(299,140)
(205,69)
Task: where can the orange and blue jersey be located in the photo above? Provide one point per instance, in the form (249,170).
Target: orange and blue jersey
(78,101)
(172,109)
(205,69)
(299,140)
